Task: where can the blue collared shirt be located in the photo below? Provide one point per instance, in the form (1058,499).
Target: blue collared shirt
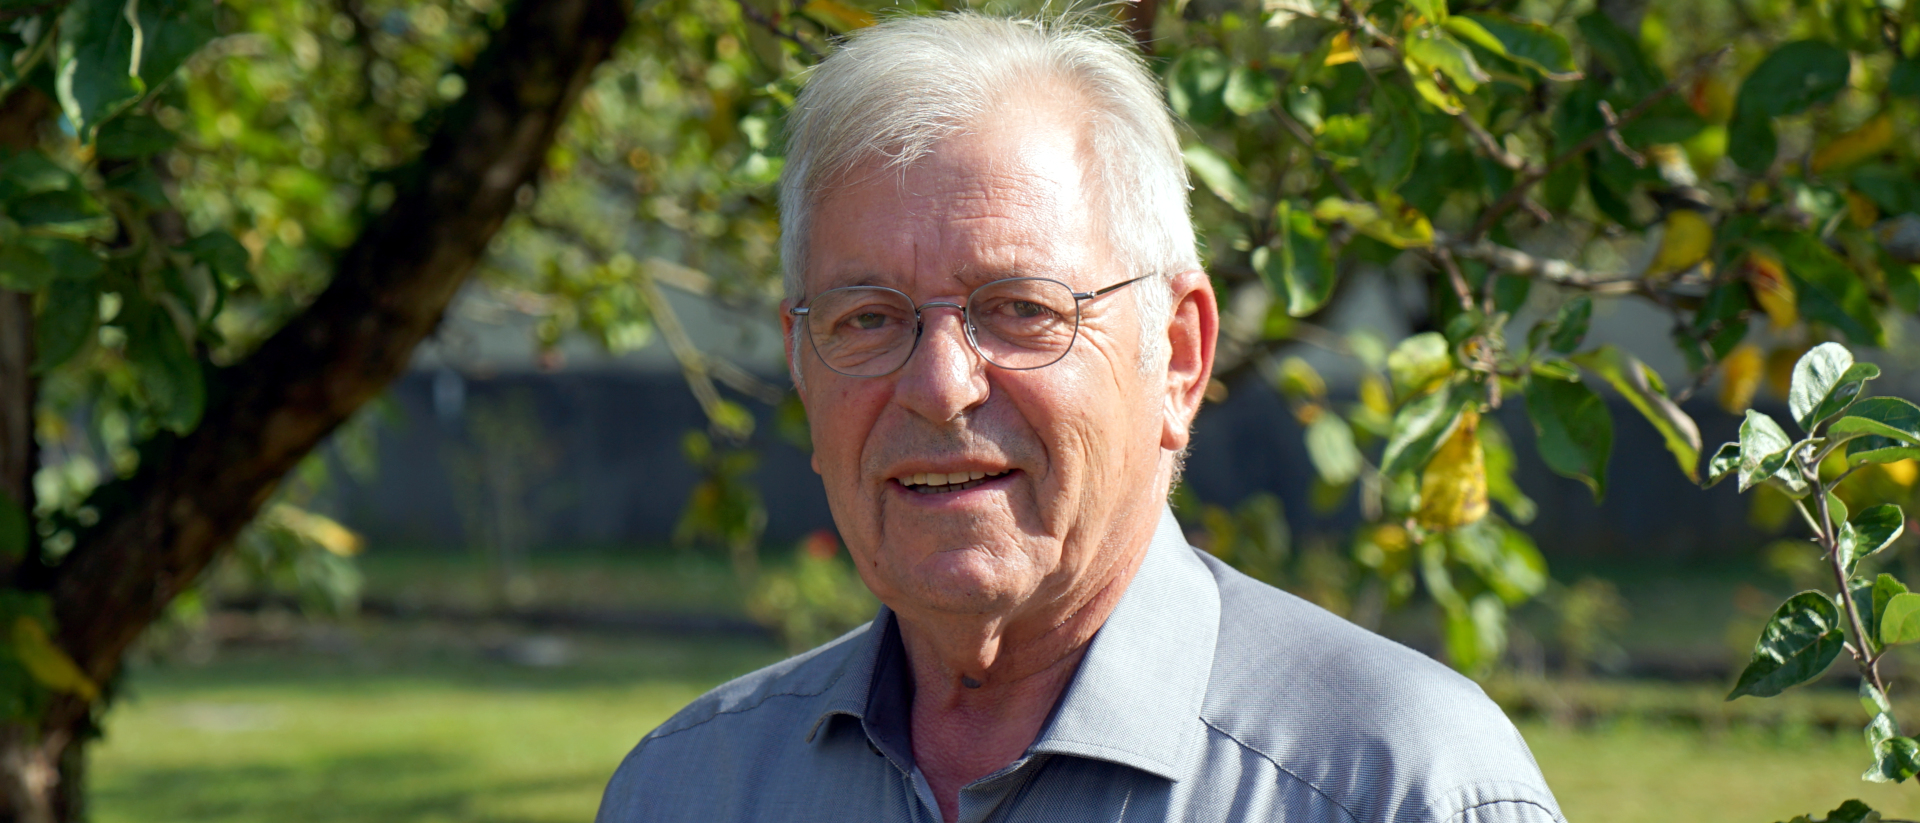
(1206,696)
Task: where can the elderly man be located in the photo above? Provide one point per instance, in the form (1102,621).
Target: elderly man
(1001,333)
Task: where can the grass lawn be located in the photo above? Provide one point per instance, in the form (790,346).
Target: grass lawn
(423,723)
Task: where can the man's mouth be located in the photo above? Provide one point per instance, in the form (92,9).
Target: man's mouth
(947,482)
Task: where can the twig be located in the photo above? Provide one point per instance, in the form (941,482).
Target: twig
(1829,542)
(1455,277)
(1489,144)
(773,26)
(1513,195)
(1521,264)
(1613,136)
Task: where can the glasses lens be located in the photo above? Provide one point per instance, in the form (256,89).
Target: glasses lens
(862,331)
(1023,323)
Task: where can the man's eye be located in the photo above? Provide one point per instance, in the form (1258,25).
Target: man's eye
(868,321)
(1026,308)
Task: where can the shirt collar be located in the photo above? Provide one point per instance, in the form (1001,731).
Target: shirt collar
(1137,696)
(1135,699)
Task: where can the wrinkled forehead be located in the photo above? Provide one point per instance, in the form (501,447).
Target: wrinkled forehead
(1011,195)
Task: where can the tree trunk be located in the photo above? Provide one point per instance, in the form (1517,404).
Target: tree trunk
(192,494)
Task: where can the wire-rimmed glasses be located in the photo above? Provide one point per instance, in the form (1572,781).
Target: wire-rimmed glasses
(1015,323)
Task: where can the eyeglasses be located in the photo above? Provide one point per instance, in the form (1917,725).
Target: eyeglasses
(1016,323)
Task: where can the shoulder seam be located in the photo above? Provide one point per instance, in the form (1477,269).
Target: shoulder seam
(1464,809)
(658,735)
(1283,770)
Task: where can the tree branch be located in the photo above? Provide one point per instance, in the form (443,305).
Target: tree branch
(1513,195)
(160,528)
(1511,261)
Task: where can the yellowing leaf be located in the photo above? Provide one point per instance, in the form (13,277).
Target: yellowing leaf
(318,529)
(847,16)
(1871,138)
(48,663)
(1740,375)
(1685,242)
(1373,395)
(1342,50)
(1299,381)
(1780,364)
(1903,472)
(1453,489)
(1861,212)
(1773,291)
(1399,225)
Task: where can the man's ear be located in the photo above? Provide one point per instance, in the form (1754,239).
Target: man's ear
(1192,328)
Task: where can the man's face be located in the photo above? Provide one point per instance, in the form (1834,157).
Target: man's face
(1071,452)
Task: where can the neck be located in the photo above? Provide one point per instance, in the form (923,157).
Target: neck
(985,685)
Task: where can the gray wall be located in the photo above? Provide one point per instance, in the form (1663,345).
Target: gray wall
(614,472)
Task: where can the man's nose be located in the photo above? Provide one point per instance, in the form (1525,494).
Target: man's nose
(945,377)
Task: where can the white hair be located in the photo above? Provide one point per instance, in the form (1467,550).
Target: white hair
(893,91)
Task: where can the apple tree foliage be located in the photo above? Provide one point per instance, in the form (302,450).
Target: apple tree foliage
(1749,168)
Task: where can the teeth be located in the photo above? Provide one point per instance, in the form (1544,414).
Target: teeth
(966,479)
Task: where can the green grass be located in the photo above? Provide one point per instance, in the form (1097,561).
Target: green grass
(420,723)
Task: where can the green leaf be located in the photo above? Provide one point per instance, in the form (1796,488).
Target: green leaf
(1905,78)
(223,254)
(1249,90)
(132,137)
(1394,145)
(1763,455)
(1435,49)
(1797,645)
(1197,84)
(1434,10)
(66,322)
(1868,532)
(1829,290)
(1573,431)
(1900,620)
(1724,462)
(1418,362)
(67,211)
(1895,759)
(1298,266)
(1420,426)
(30,172)
(1885,588)
(170,32)
(1889,417)
(1794,77)
(31,263)
(1619,51)
(1641,386)
(1876,449)
(1751,141)
(94,75)
(170,375)
(1330,447)
(1528,43)
(1570,324)
(1825,382)
(1220,176)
